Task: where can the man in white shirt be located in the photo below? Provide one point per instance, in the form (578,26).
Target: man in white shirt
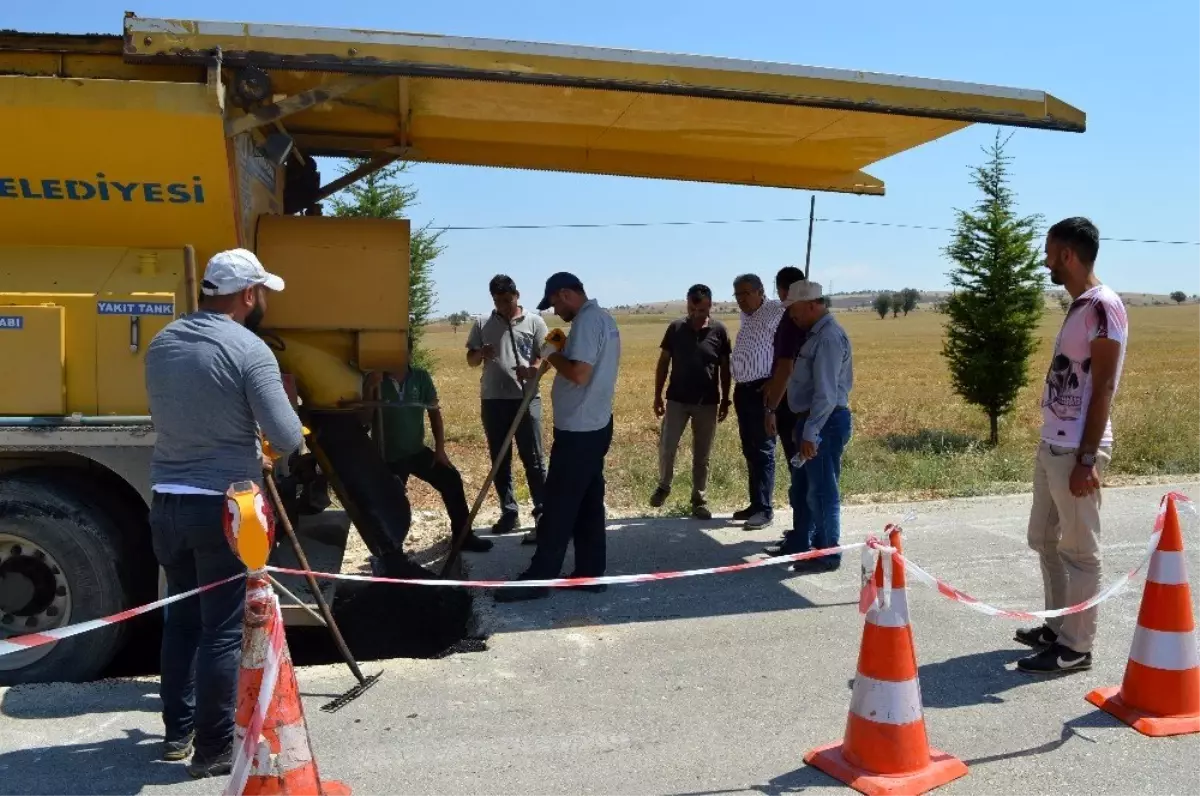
(1076,445)
(751,363)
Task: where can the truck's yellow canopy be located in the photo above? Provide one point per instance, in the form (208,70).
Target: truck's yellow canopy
(442,99)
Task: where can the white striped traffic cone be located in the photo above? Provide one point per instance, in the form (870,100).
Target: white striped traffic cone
(1160,694)
(885,749)
(272,751)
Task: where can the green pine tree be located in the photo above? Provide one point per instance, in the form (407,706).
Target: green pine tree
(381,195)
(997,300)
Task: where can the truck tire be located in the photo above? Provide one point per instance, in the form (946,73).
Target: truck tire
(59,565)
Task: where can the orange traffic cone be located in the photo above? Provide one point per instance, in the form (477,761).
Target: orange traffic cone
(1160,694)
(272,751)
(885,749)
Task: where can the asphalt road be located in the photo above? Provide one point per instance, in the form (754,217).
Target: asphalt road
(709,685)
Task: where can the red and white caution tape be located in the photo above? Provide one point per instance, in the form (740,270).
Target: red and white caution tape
(569,582)
(29,640)
(243,753)
(872,548)
(957,595)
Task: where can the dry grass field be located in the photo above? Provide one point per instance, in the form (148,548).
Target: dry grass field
(912,437)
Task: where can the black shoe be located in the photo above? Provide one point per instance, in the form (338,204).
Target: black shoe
(701,512)
(1056,659)
(476,544)
(1041,636)
(595,588)
(204,766)
(815,566)
(513,594)
(506,524)
(779,549)
(659,497)
(174,751)
(745,514)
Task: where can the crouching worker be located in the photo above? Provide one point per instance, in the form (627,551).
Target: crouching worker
(408,396)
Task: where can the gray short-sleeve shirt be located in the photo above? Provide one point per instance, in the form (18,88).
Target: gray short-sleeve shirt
(528,332)
(593,339)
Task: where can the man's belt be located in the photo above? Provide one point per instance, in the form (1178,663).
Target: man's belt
(807,412)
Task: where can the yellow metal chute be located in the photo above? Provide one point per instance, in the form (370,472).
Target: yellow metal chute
(455,100)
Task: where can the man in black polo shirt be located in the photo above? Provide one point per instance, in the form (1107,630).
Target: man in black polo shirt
(696,351)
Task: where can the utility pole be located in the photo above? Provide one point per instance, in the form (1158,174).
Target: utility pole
(812,209)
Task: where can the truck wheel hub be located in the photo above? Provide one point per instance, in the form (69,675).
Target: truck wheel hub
(34,594)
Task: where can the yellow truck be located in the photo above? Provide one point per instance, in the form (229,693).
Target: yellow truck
(120,154)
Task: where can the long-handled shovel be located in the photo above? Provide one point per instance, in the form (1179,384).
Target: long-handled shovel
(531,389)
(326,615)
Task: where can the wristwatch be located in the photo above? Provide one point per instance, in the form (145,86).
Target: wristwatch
(768,410)
(1086,459)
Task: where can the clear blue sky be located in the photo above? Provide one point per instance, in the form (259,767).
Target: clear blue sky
(1135,172)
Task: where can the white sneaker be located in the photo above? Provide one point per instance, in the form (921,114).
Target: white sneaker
(756,521)
(530,536)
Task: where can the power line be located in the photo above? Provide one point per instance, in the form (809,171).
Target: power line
(732,221)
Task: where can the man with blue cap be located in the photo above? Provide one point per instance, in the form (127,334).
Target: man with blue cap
(582,396)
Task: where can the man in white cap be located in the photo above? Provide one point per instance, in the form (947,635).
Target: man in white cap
(212,384)
(819,394)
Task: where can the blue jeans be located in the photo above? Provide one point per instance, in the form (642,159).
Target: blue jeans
(574,507)
(814,495)
(202,635)
(757,446)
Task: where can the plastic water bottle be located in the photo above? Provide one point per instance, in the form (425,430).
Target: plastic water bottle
(797,461)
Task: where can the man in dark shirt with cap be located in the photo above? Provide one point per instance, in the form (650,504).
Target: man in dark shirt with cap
(582,396)
(781,419)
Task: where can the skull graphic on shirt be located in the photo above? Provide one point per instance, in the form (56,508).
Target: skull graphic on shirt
(1064,386)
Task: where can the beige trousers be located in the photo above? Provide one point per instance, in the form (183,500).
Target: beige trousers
(704,428)
(1065,532)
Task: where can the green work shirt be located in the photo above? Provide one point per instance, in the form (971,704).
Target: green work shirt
(404,426)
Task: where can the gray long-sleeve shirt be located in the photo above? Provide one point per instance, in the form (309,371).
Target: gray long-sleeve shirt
(823,376)
(212,384)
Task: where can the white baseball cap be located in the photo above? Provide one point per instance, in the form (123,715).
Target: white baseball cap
(235,270)
(803,290)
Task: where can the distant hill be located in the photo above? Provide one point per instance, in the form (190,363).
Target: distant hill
(861,301)
(853,302)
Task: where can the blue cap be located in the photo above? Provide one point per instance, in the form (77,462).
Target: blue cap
(560,281)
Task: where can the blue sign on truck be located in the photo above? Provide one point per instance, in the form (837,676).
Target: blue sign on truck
(135,307)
